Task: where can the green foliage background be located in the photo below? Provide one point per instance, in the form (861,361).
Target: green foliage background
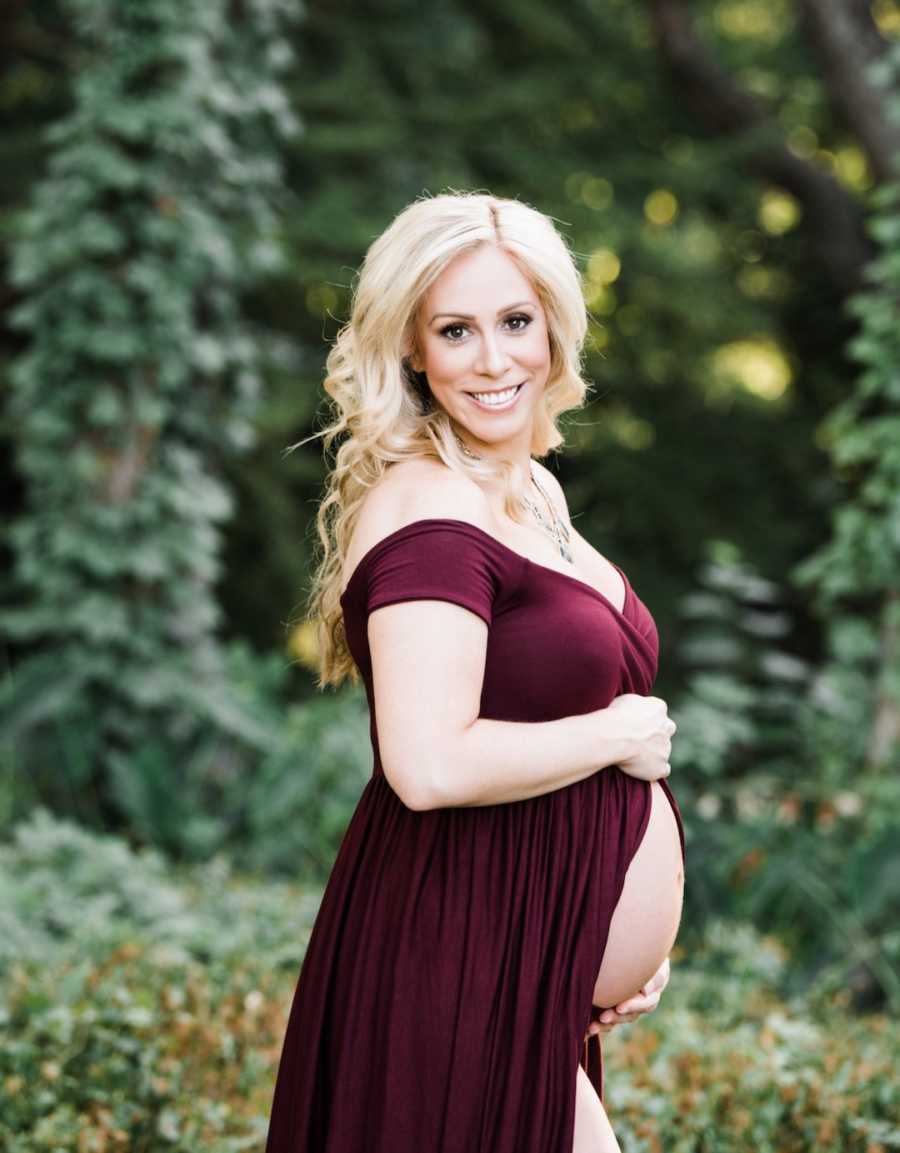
(188,192)
(147,1007)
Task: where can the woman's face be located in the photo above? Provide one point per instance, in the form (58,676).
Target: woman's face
(484,346)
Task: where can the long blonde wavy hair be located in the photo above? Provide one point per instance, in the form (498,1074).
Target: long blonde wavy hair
(381,407)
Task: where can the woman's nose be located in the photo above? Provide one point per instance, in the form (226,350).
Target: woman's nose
(492,357)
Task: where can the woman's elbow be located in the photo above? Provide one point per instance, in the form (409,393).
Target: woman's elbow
(418,786)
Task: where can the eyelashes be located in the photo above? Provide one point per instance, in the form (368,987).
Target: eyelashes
(448,328)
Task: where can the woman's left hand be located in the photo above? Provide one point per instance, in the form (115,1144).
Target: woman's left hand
(644,1001)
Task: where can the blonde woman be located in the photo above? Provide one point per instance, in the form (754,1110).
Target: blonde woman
(515,863)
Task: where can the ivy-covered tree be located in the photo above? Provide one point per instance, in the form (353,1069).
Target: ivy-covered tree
(812,802)
(860,564)
(138,375)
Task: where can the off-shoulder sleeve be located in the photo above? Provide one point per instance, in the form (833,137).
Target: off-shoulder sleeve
(433,562)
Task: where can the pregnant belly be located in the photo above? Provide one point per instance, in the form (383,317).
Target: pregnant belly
(646,919)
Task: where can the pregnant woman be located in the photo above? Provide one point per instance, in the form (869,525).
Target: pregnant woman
(515,863)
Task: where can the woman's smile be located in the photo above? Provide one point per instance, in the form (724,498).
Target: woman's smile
(496,400)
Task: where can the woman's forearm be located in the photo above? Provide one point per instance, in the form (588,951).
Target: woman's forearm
(492,762)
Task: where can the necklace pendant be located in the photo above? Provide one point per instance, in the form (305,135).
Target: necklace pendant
(555,527)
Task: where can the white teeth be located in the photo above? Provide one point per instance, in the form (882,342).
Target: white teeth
(495,397)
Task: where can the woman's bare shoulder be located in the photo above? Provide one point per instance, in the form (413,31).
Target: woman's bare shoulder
(416,490)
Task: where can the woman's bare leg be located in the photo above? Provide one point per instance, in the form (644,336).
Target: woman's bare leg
(593,1132)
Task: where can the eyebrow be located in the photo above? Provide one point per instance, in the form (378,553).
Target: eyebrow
(468,316)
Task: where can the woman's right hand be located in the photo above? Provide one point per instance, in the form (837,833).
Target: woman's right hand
(645,724)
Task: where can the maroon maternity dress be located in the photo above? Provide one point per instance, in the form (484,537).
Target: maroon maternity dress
(447,985)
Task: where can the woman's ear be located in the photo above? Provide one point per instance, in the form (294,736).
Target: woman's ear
(418,381)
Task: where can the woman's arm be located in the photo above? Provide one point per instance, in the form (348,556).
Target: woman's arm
(492,762)
(428,660)
(435,749)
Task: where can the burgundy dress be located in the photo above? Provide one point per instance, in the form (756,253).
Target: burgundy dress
(447,985)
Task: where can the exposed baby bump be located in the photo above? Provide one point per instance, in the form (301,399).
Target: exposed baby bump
(645,921)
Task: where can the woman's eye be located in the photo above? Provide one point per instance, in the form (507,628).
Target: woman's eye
(451,328)
(521,316)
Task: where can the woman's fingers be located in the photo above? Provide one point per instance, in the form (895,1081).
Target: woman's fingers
(629,1010)
(655,985)
(644,1001)
(659,980)
(638,1004)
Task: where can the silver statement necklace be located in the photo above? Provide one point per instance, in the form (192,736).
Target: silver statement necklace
(554,526)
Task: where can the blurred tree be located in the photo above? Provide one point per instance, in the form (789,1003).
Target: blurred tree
(724,108)
(860,565)
(157,209)
(818,828)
